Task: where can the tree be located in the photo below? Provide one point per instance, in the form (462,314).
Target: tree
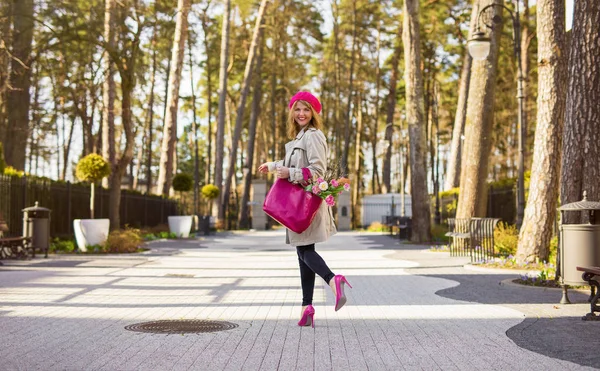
(125,58)
(183,182)
(109,90)
(20,81)
(454,165)
(389,121)
(220,135)
(165,175)
(5,23)
(348,113)
(478,126)
(581,139)
(2,162)
(537,228)
(416,122)
(244,216)
(241,108)
(92,168)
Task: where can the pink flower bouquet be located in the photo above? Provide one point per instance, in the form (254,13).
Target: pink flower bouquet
(329,190)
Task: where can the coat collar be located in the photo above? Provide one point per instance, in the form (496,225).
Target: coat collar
(303,131)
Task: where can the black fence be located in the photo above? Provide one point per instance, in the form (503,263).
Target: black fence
(501,203)
(72,201)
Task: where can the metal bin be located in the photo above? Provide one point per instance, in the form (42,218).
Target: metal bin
(579,243)
(36,225)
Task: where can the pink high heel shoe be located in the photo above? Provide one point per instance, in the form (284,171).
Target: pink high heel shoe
(308,317)
(340,297)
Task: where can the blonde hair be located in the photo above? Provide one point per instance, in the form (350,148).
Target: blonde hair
(293,128)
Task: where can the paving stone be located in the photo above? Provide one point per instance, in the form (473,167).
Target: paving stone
(410,309)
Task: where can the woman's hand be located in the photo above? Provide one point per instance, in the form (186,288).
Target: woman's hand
(283,172)
(264,168)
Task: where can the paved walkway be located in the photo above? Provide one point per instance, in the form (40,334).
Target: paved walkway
(410,309)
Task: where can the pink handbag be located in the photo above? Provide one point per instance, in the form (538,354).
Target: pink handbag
(291,205)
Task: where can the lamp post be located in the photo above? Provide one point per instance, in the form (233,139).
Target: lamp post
(479,48)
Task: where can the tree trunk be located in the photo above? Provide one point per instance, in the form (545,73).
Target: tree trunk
(375,185)
(6,16)
(357,165)
(472,200)
(127,71)
(244,218)
(540,213)
(386,171)
(165,174)
(581,139)
(240,110)
(220,136)
(454,165)
(208,177)
(108,91)
(348,117)
(20,81)
(421,219)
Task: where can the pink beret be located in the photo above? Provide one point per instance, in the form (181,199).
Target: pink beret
(307,97)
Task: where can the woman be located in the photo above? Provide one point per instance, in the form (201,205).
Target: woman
(306,159)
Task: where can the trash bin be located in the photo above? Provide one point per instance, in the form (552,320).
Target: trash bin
(205,224)
(36,225)
(404,228)
(579,243)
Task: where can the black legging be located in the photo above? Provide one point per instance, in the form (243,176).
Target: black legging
(310,263)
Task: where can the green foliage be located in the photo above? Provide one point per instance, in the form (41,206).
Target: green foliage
(376,227)
(210,191)
(92,168)
(506,238)
(451,192)
(167,235)
(11,171)
(62,246)
(438,233)
(2,162)
(183,182)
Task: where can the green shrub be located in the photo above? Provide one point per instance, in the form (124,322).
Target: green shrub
(183,182)
(506,238)
(553,249)
(438,233)
(123,241)
(167,235)
(11,171)
(62,246)
(376,227)
(92,168)
(95,249)
(210,191)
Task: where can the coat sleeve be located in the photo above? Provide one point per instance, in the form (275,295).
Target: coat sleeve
(273,165)
(316,152)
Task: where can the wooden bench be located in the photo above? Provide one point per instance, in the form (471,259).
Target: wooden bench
(14,247)
(592,275)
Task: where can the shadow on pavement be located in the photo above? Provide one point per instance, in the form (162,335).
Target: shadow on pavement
(566,338)
(488,289)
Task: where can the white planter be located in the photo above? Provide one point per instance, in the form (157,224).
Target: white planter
(180,225)
(89,232)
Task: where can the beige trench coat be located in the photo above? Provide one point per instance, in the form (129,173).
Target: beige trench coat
(308,150)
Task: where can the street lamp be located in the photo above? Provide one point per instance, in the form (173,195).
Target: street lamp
(479,48)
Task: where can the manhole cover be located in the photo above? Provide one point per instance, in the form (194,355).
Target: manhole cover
(184,326)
